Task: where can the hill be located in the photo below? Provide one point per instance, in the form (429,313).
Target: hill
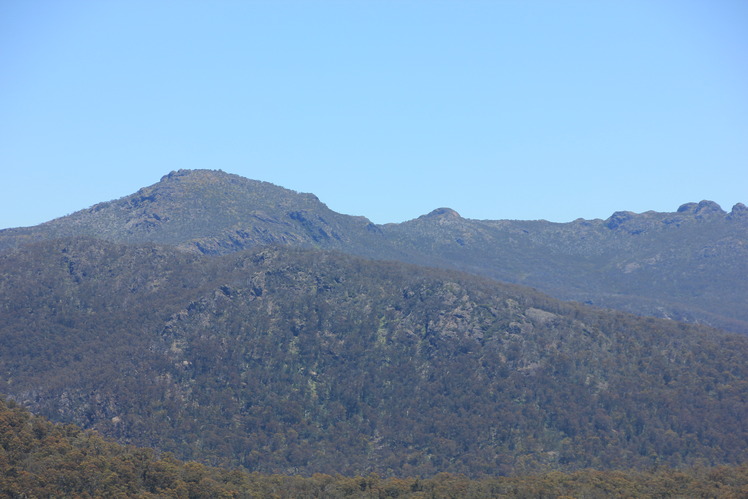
(687,265)
(41,459)
(293,361)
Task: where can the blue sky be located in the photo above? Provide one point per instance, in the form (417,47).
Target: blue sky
(388,109)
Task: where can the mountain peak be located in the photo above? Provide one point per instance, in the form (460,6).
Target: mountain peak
(190,174)
(448,213)
(738,211)
(205,176)
(705,207)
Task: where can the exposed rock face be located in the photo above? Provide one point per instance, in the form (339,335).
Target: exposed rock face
(704,208)
(443,213)
(739,211)
(619,218)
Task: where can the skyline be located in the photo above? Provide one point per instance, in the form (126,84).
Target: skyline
(498,110)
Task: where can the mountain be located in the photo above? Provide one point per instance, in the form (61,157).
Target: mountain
(689,265)
(210,212)
(295,360)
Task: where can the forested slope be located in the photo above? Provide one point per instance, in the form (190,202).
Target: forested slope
(298,361)
(41,459)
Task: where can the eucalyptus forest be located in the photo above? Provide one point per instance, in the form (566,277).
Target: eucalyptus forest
(213,336)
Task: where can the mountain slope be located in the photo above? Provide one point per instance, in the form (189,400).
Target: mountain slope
(207,211)
(689,265)
(290,360)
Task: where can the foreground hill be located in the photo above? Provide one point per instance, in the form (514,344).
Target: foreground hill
(689,265)
(298,361)
(41,459)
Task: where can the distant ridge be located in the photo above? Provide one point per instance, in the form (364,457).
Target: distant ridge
(686,265)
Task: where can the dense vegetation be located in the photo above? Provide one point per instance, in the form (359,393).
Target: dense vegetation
(40,459)
(688,265)
(207,318)
(296,361)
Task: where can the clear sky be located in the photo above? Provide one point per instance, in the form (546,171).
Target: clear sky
(498,109)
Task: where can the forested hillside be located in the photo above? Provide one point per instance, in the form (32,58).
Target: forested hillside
(688,265)
(302,361)
(40,459)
